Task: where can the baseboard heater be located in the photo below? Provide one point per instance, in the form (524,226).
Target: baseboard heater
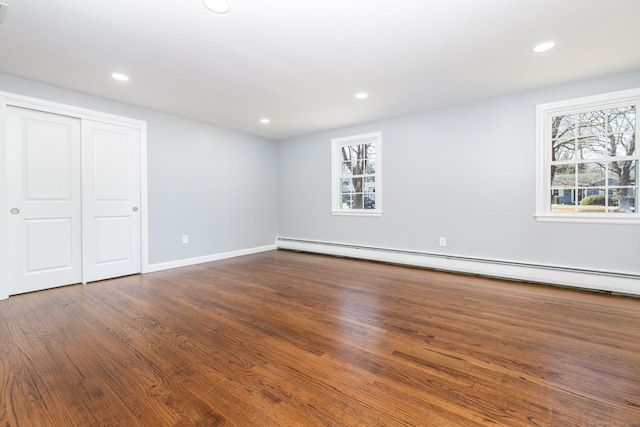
(595,280)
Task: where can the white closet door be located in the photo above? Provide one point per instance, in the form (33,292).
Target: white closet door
(43,184)
(110,200)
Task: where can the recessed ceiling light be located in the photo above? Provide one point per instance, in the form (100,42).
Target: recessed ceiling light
(217,6)
(265,121)
(543,47)
(361,95)
(120,76)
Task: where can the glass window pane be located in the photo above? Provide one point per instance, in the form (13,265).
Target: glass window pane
(356,184)
(592,147)
(623,173)
(362,152)
(353,160)
(353,150)
(371,150)
(563,175)
(347,201)
(621,144)
(348,161)
(346,186)
(623,200)
(563,127)
(345,153)
(562,200)
(621,120)
(564,149)
(563,196)
(586,124)
(369,184)
(347,168)
(614,201)
(369,192)
(580,194)
(591,174)
(591,199)
(370,166)
(369,203)
(357,201)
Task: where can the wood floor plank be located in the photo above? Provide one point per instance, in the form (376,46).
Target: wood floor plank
(289,339)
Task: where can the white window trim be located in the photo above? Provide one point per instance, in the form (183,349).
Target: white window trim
(336,160)
(544,115)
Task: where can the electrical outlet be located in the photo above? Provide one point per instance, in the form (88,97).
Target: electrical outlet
(185,238)
(443,241)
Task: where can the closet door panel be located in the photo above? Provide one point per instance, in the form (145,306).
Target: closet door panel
(43,191)
(113,237)
(110,200)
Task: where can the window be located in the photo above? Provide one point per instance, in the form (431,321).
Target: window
(356,175)
(587,160)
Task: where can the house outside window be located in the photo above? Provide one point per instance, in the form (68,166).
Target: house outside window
(587,160)
(356,176)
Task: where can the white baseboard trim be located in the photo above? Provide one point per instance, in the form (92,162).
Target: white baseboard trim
(4,296)
(607,281)
(208,258)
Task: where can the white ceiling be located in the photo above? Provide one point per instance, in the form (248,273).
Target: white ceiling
(300,62)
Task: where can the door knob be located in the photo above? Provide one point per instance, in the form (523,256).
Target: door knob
(15,211)
(135,209)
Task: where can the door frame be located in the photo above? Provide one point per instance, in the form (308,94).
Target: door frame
(11,99)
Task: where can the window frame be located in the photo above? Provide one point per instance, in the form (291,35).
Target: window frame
(544,117)
(336,173)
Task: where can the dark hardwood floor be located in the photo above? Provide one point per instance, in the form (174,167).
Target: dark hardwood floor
(287,339)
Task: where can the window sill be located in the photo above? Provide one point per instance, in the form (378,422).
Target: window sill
(357,213)
(583,219)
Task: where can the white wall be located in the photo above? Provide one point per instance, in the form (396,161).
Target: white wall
(466,173)
(217,185)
